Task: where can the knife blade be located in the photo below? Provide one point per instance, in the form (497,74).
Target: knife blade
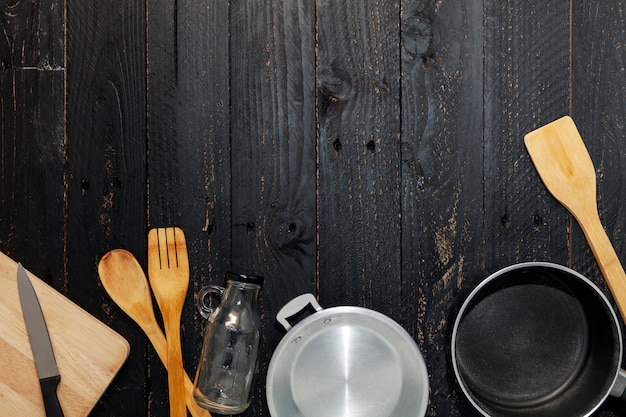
(45,362)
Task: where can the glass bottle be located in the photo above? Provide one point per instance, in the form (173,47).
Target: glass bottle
(231,345)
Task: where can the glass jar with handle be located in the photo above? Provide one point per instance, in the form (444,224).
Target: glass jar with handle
(231,344)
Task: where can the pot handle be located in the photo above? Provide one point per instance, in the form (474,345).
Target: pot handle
(296,306)
(619,387)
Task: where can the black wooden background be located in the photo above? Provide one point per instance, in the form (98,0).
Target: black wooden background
(369,152)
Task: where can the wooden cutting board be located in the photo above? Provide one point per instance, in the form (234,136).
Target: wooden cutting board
(88,353)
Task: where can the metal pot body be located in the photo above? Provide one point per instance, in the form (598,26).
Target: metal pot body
(536,339)
(345,362)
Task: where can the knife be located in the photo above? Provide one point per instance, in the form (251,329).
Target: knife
(45,362)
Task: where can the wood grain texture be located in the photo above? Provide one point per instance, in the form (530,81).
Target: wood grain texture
(32,35)
(32,169)
(442,214)
(273,151)
(32,134)
(359,155)
(526,86)
(188,151)
(368,152)
(104,169)
(598,108)
(88,353)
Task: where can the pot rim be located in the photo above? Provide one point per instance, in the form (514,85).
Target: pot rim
(523,265)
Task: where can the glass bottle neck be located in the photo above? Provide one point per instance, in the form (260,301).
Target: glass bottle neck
(247,291)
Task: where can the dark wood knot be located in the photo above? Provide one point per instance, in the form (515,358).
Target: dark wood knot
(334,87)
(417,37)
(287,232)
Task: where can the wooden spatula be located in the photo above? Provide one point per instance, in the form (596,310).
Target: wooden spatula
(168,271)
(565,167)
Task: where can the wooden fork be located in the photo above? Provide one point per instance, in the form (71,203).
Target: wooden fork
(168,270)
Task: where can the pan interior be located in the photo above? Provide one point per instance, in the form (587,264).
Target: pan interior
(523,341)
(356,373)
(347,362)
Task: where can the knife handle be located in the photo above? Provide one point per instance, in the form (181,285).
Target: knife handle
(50,399)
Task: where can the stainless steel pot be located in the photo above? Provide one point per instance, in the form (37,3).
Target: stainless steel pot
(345,362)
(537,339)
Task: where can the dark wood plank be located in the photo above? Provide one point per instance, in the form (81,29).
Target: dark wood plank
(272,73)
(368,152)
(105,171)
(32,149)
(188,152)
(526,86)
(32,34)
(32,136)
(598,109)
(164,155)
(203,122)
(442,202)
(359,154)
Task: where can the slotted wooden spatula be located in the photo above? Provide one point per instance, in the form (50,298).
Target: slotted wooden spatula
(168,271)
(565,167)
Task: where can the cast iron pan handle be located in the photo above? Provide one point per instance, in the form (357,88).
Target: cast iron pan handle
(296,306)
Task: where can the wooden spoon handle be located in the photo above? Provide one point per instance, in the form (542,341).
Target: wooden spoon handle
(157,338)
(606,257)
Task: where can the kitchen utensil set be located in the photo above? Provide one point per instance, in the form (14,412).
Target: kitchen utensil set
(564,165)
(125,282)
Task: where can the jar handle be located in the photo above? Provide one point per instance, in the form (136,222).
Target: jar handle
(203,307)
(296,306)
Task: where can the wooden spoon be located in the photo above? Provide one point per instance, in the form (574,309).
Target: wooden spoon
(565,167)
(125,282)
(168,271)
